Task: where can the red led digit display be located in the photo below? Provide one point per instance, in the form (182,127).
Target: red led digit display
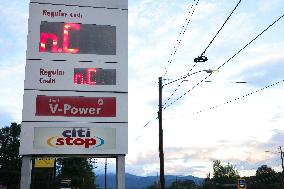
(56,37)
(94,76)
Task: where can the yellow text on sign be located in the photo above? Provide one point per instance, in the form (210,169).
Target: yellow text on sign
(44,162)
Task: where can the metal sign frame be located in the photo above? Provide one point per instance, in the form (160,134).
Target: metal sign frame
(35,128)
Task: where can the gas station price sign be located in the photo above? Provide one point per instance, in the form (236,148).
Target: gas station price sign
(76,38)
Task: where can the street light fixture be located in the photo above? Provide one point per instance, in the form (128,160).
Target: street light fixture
(160,117)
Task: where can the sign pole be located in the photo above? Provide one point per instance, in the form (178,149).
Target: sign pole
(26,172)
(120,172)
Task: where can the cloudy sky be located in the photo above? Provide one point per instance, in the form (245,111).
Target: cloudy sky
(203,121)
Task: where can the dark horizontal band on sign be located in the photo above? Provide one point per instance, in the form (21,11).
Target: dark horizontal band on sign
(59,60)
(34,59)
(71,122)
(95,7)
(85,61)
(119,92)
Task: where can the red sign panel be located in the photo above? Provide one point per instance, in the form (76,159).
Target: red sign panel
(75,106)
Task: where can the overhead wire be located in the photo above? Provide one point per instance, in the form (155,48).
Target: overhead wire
(179,40)
(229,101)
(175,48)
(221,27)
(175,80)
(141,131)
(205,49)
(277,20)
(267,28)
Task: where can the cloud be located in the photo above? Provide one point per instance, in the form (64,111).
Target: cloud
(266,6)
(12,89)
(145,163)
(246,156)
(14,17)
(5,119)
(276,140)
(265,67)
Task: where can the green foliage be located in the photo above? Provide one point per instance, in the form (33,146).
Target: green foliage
(154,186)
(43,178)
(265,178)
(207,182)
(264,170)
(224,174)
(183,184)
(79,170)
(10,160)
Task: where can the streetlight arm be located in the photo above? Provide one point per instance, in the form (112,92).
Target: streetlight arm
(190,74)
(271,152)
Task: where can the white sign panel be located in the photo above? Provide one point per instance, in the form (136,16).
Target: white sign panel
(75,98)
(73,75)
(59,32)
(74,138)
(74,106)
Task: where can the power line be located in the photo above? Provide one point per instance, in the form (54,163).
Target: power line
(226,61)
(182,78)
(206,48)
(221,27)
(178,42)
(218,69)
(141,132)
(169,98)
(230,101)
(211,108)
(251,41)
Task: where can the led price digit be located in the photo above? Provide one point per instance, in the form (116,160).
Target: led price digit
(94,76)
(56,37)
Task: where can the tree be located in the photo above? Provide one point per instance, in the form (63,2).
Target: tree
(79,170)
(264,170)
(10,160)
(265,177)
(207,184)
(224,174)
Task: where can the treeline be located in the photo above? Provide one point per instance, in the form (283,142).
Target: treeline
(226,177)
(80,171)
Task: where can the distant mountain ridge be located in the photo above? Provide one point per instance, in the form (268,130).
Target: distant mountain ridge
(140,182)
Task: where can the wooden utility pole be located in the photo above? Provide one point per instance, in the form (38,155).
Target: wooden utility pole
(282,164)
(161,143)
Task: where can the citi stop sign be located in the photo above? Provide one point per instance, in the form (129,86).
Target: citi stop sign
(241,184)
